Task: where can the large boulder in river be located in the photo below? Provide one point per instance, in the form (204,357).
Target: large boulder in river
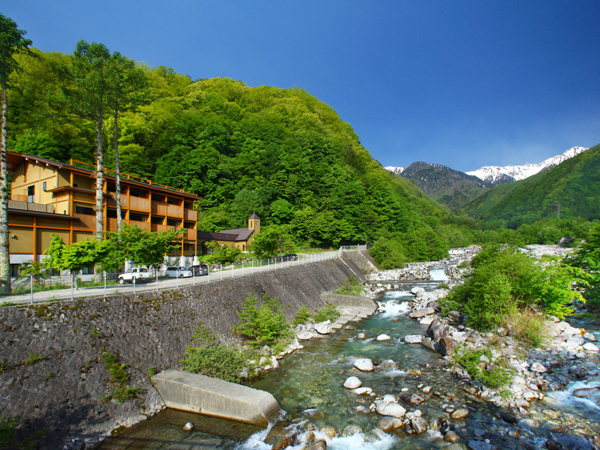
(366,365)
(390,409)
(447,346)
(434,304)
(352,383)
(324,327)
(422,313)
(413,339)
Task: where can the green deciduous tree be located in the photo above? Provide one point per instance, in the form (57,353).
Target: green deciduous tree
(12,42)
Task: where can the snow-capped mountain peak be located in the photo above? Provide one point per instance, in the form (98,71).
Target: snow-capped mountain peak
(520,172)
(396,170)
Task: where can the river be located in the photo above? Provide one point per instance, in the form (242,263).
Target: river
(309,388)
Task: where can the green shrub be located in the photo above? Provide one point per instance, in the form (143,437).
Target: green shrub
(527,326)
(302,316)
(217,361)
(264,325)
(499,376)
(328,312)
(120,379)
(504,281)
(442,285)
(350,287)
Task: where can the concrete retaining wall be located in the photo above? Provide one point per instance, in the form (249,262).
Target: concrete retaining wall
(362,259)
(63,391)
(347,300)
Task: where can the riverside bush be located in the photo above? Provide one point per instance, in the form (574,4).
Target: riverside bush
(496,376)
(505,281)
(218,361)
(587,258)
(302,316)
(212,359)
(328,312)
(350,287)
(264,325)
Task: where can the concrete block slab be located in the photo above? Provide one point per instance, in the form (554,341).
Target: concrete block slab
(205,395)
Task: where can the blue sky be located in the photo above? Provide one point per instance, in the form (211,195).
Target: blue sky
(464,84)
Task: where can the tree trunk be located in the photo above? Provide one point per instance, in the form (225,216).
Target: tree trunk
(118,170)
(4,254)
(99,180)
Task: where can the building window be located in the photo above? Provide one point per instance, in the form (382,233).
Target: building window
(137,217)
(31,194)
(87,271)
(84,210)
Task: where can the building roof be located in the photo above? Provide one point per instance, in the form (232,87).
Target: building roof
(254,216)
(16,159)
(236,235)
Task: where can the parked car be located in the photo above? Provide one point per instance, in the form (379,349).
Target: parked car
(290,257)
(178,272)
(138,273)
(200,270)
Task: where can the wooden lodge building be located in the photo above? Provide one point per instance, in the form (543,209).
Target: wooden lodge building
(50,197)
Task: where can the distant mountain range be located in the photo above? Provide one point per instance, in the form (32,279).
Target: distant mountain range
(454,189)
(497,174)
(573,185)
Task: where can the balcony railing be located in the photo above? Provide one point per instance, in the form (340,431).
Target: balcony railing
(190,214)
(174,210)
(112,200)
(139,204)
(28,206)
(159,208)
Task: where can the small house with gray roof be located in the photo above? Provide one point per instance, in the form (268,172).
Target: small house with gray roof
(241,238)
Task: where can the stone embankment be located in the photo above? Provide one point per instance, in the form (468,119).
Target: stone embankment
(52,372)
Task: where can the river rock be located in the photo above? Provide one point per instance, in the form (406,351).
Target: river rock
(413,339)
(352,383)
(434,304)
(479,445)
(426,320)
(390,409)
(427,342)
(447,346)
(590,347)
(324,327)
(422,313)
(460,413)
(552,444)
(366,365)
(383,337)
(188,426)
(351,430)
(440,332)
(585,392)
(321,444)
(388,364)
(389,424)
(329,431)
(417,291)
(419,425)
(362,390)
(538,367)
(575,442)
(590,337)
(451,436)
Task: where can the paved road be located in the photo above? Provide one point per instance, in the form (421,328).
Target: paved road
(163,283)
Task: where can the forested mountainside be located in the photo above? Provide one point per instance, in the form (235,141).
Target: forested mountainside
(449,187)
(279,152)
(574,184)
